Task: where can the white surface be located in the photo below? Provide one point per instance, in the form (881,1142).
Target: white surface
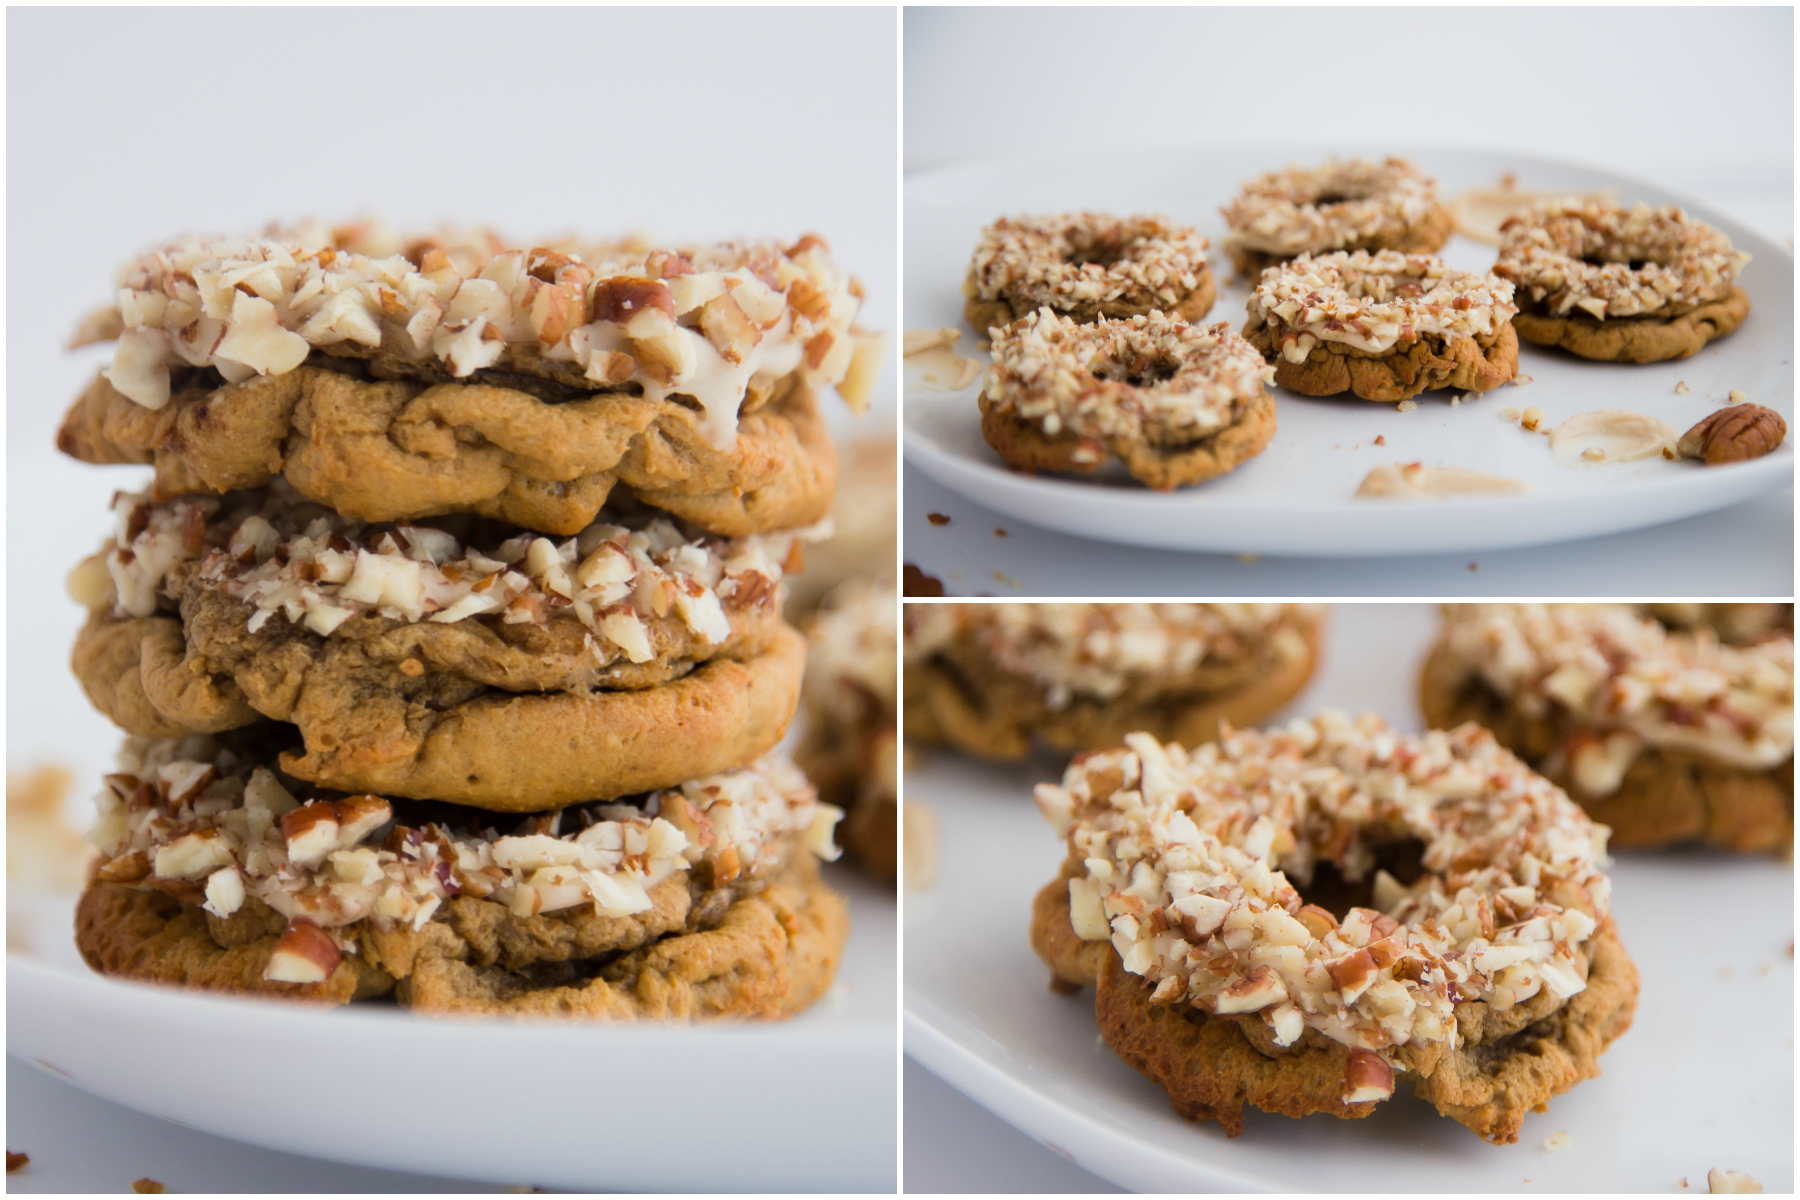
(804,1105)
(1704,1079)
(955,1145)
(421,115)
(1298,497)
(969,73)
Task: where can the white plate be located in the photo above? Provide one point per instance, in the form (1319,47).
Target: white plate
(1297,496)
(805,1105)
(1705,1078)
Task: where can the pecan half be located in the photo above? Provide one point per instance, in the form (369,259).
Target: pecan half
(1735,434)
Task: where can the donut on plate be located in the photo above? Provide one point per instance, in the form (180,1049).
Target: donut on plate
(1383,326)
(1618,284)
(1175,403)
(1085,266)
(1354,205)
(989,678)
(1301,918)
(1670,726)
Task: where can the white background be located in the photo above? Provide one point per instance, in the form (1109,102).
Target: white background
(1700,101)
(127,127)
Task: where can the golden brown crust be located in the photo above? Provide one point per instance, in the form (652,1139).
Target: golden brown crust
(1509,1064)
(1666,797)
(1470,364)
(390,450)
(1636,339)
(1024,446)
(1004,310)
(155,938)
(995,715)
(1424,236)
(760,953)
(521,753)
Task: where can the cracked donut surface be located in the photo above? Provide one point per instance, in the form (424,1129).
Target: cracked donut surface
(1176,403)
(1485,972)
(671,904)
(1669,730)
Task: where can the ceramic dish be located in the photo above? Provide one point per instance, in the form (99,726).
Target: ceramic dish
(1298,496)
(1705,1077)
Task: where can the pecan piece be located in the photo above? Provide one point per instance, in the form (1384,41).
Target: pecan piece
(1735,434)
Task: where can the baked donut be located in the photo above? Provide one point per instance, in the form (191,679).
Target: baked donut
(694,902)
(1618,284)
(989,678)
(1291,919)
(1385,326)
(1354,205)
(850,698)
(454,374)
(1086,266)
(1666,734)
(490,652)
(1175,403)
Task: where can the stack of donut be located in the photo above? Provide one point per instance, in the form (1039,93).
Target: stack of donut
(448,634)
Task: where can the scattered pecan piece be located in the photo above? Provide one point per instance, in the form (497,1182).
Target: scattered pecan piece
(1735,434)
(15,1161)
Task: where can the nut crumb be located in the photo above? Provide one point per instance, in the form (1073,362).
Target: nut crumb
(412,668)
(1249,558)
(1406,406)
(1381,439)
(15,1161)
(1509,413)
(1593,454)
(1737,397)
(1557,1141)
(1008,580)
(937,518)
(1456,400)
(1684,1183)
(1521,380)
(998,532)
(1720,1181)
(919,831)
(1681,387)
(148,1185)
(1532,419)
(1474,566)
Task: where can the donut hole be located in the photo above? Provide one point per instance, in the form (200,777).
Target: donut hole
(1142,372)
(1340,195)
(1607,260)
(1337,894)
(1096,249)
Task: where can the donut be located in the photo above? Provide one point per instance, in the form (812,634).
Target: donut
(1663,731)
(850,700)
(395,381)
(1618,284)
(1086,266)
(1385,326)
(208,614)
(1175,403)
(988,679)
(692,902)
(1295,919)
(1354,205)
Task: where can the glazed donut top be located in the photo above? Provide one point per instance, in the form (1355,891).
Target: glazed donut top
(204,811)
(1121,379)
(699,321)
(1097,651)
(308,564)
(1189,856)
(1376,301)
(1579,254)
(1626,679)
(1317,209)
(1077,258)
